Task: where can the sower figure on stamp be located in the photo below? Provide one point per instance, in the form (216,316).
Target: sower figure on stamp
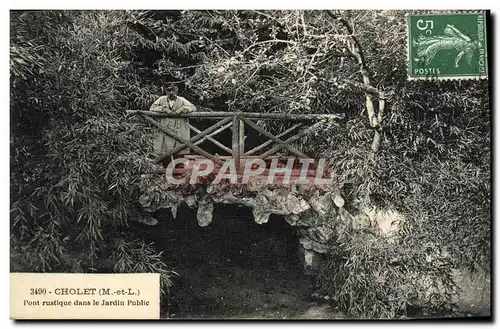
(171,103)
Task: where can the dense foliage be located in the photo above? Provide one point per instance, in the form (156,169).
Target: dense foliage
(76,159)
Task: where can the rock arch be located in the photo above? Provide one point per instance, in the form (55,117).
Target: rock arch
(316,212)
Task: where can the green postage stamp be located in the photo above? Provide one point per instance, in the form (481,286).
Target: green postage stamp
(447,46)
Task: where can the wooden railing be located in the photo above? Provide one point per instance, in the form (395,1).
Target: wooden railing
(237,121)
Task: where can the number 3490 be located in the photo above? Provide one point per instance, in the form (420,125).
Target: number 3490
(38,291)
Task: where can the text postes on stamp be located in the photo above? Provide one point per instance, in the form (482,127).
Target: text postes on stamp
(447,46)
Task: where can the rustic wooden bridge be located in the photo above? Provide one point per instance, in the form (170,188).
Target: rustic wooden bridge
(237,121)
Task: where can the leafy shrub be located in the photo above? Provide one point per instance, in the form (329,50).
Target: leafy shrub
(369,277)
(76,158)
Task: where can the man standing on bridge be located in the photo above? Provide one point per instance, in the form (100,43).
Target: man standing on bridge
(171,103)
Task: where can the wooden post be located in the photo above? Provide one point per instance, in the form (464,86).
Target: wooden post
(236,142)
(242,138)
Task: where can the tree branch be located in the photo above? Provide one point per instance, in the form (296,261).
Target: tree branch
(357,52)
(349,28)
(268,41)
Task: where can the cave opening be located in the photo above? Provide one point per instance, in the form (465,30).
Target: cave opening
(233,268)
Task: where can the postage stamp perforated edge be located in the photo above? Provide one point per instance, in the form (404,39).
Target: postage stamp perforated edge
(437,77)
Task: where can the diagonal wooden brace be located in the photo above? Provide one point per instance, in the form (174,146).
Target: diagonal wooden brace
(275,139)
(187,143)
(290,140)
(199,137)
(261,146)
(209,136)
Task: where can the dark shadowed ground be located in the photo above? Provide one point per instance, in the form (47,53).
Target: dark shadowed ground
(235,268)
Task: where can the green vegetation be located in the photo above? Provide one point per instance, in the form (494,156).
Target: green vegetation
(77,160)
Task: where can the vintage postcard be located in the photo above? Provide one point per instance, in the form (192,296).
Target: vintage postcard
(250,164)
